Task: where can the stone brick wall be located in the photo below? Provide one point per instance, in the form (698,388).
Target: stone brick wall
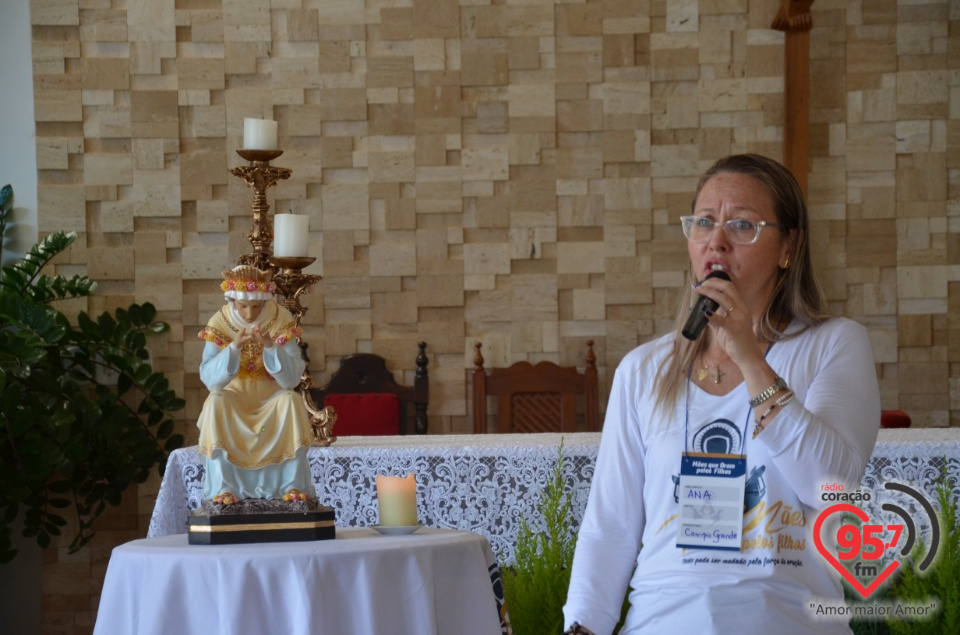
(488,170)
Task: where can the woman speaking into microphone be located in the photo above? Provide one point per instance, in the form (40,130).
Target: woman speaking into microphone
(719,435)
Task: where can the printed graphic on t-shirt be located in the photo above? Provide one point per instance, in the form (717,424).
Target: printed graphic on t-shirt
(719,437)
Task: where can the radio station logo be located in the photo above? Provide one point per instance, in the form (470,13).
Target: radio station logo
(863,545)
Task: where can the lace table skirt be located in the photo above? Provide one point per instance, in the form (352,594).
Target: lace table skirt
(489,483)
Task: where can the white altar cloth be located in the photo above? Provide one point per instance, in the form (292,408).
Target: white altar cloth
(487,483)
(433,581)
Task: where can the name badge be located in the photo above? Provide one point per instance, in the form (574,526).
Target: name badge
(711,501)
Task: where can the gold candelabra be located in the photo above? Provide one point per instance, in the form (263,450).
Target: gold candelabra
(292,282)
(261,176)
(288,273)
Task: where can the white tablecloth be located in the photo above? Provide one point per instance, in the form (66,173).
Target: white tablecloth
(432,581)
(487,483)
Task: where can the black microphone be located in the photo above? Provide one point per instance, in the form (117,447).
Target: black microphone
(698,316)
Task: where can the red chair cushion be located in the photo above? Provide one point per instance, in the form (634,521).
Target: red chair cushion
(894,419)
(370,414)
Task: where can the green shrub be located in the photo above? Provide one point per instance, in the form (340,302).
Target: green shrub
(940,582)
(535,587)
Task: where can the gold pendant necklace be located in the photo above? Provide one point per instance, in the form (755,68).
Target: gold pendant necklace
(706,371)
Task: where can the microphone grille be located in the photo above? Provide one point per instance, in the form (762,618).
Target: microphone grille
(723,275)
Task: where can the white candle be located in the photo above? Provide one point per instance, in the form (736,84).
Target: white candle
(291,233)
(397,500)
(259,134)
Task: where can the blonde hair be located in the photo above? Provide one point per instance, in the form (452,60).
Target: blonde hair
(797,296)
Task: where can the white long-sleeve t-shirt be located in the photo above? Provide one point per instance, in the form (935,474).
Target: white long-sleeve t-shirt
(825,435)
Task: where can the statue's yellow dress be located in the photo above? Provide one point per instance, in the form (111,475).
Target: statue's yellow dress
(254,428)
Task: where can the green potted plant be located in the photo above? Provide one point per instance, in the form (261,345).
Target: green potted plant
(82,413)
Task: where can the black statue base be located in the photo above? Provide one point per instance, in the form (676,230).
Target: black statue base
(260,520)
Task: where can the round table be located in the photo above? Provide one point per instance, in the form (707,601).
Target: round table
(431,581)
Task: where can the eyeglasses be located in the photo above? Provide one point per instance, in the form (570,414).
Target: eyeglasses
(740,231)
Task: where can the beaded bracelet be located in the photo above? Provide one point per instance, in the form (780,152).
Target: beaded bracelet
(779,403)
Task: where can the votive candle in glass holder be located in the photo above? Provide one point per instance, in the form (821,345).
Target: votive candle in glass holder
(397,500)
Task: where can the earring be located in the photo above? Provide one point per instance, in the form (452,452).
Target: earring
(786,264)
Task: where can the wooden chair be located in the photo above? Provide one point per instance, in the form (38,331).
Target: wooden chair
(368,400)
(541,398)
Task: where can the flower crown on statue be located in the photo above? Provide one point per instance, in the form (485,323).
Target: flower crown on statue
(247,283)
